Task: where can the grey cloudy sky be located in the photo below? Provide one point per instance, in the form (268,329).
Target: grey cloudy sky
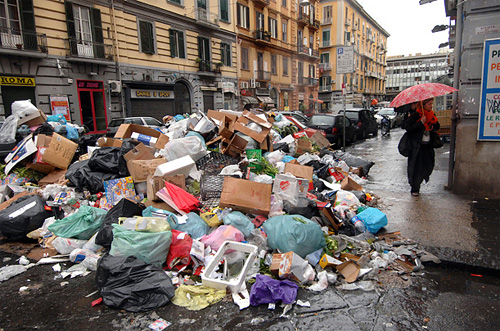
(409,24)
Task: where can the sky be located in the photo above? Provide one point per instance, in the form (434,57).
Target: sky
(409,24)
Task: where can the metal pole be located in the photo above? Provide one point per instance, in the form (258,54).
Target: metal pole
(343,106)
(456,81)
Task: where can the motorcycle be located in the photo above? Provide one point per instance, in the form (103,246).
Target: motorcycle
(385,125)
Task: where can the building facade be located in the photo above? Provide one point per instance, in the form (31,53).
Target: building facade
(346,24)
(278,53)
(406,71)
(107,59)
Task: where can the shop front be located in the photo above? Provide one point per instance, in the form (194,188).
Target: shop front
(92,105)
(155,100)
(16,88)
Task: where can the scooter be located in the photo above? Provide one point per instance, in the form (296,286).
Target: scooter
(385,125)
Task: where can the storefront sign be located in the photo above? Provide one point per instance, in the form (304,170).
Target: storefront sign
(89,84)
(489,110)
(151,94)
(228,87)
(17,81)
(60,105)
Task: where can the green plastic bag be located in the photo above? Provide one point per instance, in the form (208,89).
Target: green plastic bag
(155,212)
(150,247)
(81,225)
(294,233)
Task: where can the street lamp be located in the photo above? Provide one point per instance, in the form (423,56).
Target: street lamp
(440,27)
(443,45)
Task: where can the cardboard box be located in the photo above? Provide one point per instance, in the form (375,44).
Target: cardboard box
(303,146)
(42,143)
(156,183)
(34,119)
(326,260)
(299,171)
(275,264)
(349,184)
(246,196)
(159,205)
(55,177)
(7,203)
(226,128)
(334,221)
(139,152)
(109,142)
(60,152)
(117,189)
(293,267)
(320,140)
(219,116)
(350,271)
(141,169)
(234,147)
(241,126)
(126,130)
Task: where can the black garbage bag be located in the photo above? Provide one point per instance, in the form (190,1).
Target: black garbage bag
(281,147)
(351,160)
(106,159)
(127,146)
(308,211)
(23,216)
(88,140)
(124,208)
(82,177)
(45,128)
(132,284)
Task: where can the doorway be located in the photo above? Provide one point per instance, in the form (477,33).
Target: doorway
(92,105)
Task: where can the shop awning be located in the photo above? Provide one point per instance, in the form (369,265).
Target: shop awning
(316,100)
(265,99)
(249,101)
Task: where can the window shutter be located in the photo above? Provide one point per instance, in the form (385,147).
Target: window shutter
(28,24)
(329,79)
(172,43)
(70,22)
(238,14)
(247,13)
(146,35)
(200,53)
(97,33)
(180,40)
(224,13)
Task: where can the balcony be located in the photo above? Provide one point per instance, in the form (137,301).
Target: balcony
(82,51)
(262,75)
(355,26)
(325,66)
(301,49)
(325,88)
(312,81)
(262,2)
(325,43)
(25,41)
(205,66)
(262,36)
(326,20)
(303,18)
(206,18)
(347,22)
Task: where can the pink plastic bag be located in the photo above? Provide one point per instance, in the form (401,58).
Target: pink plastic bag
(221,234)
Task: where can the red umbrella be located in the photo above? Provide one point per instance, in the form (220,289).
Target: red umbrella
(182,199)
(374,102)
(421,92)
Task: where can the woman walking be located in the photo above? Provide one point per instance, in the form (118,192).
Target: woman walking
(420,123)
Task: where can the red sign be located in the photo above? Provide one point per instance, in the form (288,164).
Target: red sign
(89,84)
(246,93)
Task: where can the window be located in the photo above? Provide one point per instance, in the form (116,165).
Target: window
(177,47)
(284,26)
(285,66)
(152,121)
(17,16)
(274,70)
(273,27)
(204,49)
(259,23)
(244,58)
(146,37)
(243,16)
(84,31)
(179,2)
(325,58)
(224,10)
(283,3)
(225,53)
(327,14)
(312,71)
(326,37)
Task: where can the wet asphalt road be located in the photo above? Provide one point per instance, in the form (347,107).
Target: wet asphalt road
(461,294)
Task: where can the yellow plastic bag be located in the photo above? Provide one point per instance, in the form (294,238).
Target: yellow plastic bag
(197,297)
(211,218)
(144,224)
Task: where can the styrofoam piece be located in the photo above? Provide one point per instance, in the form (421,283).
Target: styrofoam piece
(182,165)
(234,284)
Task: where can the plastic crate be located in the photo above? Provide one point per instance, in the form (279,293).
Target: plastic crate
(213,163)
(211,186)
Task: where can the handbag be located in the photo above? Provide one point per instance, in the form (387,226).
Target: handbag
(404,146)
(437,142)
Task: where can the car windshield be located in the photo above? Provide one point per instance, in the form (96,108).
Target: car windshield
(353,115)
(322,120)
(117,122)
(152,121)
(386,112)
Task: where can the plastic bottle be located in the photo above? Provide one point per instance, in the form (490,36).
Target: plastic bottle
(358,224)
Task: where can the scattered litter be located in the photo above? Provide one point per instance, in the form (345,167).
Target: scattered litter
(303,303)
(23,289)
(159,324)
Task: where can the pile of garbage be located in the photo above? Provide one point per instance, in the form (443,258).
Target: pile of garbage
(213,203)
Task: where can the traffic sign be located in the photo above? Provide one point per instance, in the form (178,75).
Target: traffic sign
(345,60)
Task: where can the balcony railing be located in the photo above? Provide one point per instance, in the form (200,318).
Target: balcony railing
(325,66)
(312,81)
(325,88)
(205,16)
(23,40)
(88,49)
(207,66)
(262,75)
(325,43)
(326,20)
(262,35)
(307,51)
(347,21)
(263,2)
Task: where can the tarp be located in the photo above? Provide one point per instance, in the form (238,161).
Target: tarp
(249,100)
(265,99)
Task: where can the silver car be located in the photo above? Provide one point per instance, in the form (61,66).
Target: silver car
(146,121)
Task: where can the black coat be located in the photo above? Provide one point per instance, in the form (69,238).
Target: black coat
(421,159)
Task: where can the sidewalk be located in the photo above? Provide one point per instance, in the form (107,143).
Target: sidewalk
(458,229)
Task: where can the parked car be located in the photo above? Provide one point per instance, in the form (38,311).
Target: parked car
(295,114)
(396,118)
(146,121)
(302,127)
(364,121)
(333,127)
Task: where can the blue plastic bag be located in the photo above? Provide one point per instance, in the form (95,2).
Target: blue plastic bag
(239,221)
(294,233)
(71,132)
(150,247)
(287,158)
(195,226)
(155,212)
(178,117)
(81,225)
(57,118)
(373,218)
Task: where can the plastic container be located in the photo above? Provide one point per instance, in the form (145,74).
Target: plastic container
(214,162)
(234,284)
(211,186)
(358,224)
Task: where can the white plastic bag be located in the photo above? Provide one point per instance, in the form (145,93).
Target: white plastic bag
(23,108)
(286,187)
(346,198)
(178,148)
(275,157)
(8,130)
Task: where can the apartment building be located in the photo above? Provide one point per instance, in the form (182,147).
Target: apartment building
(346,24)
(406,71)
(97,60)
(278,53)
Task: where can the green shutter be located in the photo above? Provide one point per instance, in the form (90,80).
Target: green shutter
(200,54)
(172,43)
(70,22)
(224,11)
(180,40)
(146,35)
(238,14)
(28,24)
(97,33)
